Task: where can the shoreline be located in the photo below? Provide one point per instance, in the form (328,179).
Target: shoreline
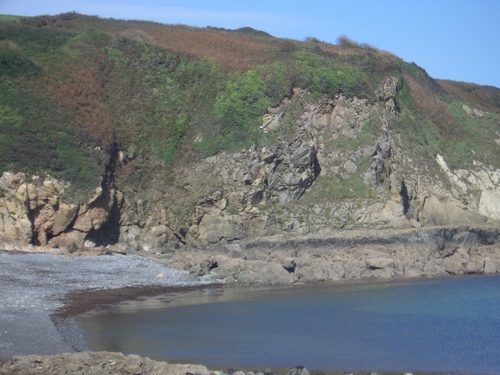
(84,301)
(36,288)
(74,305)
(352,285)
(48,291)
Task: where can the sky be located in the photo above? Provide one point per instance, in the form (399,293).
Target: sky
(450,39)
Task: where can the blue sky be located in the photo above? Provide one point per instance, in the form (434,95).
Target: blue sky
(451,39)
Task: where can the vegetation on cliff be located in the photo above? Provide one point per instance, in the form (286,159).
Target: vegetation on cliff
(78,93)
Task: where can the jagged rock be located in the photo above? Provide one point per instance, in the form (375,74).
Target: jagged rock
(259,191)
(254,271)
(69,241)
(83,222)
(454,264)
(474,112)
(387,89)
(491,265)
(214,229)
(489,204)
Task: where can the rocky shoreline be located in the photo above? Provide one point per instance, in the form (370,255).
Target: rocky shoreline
(44,291)
(417,252)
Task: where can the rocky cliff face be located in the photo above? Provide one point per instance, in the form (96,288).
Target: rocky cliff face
(32,213)
(334,164)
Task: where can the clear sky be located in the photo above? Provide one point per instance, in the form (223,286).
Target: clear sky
(450,39)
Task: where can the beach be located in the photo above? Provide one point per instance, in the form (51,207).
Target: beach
(34,317)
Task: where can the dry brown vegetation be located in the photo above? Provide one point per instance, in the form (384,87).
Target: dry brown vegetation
(486,97)
(431,107)
(83,95)
(234,50)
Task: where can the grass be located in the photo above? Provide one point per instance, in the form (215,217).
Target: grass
(327,189)
(330,188)
(10,18)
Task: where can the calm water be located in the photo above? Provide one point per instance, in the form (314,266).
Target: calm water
(450,324)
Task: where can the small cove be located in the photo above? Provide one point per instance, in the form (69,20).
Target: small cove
(431,325)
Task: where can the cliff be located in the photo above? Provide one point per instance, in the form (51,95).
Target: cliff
(147,145)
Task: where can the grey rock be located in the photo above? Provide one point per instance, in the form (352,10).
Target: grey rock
(90,363)
(380,263)
(298,370)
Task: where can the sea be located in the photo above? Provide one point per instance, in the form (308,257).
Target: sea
(421,325)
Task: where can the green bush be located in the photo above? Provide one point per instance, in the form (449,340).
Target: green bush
(238,109)
(34,40)
(323,75)
(14,64)
(278,84)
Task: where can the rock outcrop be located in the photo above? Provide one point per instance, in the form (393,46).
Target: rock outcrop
(355,255)
(337,165)
(32,212)
(90,363)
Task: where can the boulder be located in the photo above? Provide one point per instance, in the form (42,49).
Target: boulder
(69,241)
(444,210)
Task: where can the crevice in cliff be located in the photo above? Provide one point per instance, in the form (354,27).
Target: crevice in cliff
(109,233)
(315,172)
(405,201)
(317,167)
(32,214)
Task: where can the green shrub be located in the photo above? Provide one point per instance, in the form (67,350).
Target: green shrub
(287,46)
(34,40)
(278,85)
(251,31)
(346,42)
(311,39)
(238,110)
(14,64)
(323,75)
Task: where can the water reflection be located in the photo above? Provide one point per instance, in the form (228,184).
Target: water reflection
(448,324)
